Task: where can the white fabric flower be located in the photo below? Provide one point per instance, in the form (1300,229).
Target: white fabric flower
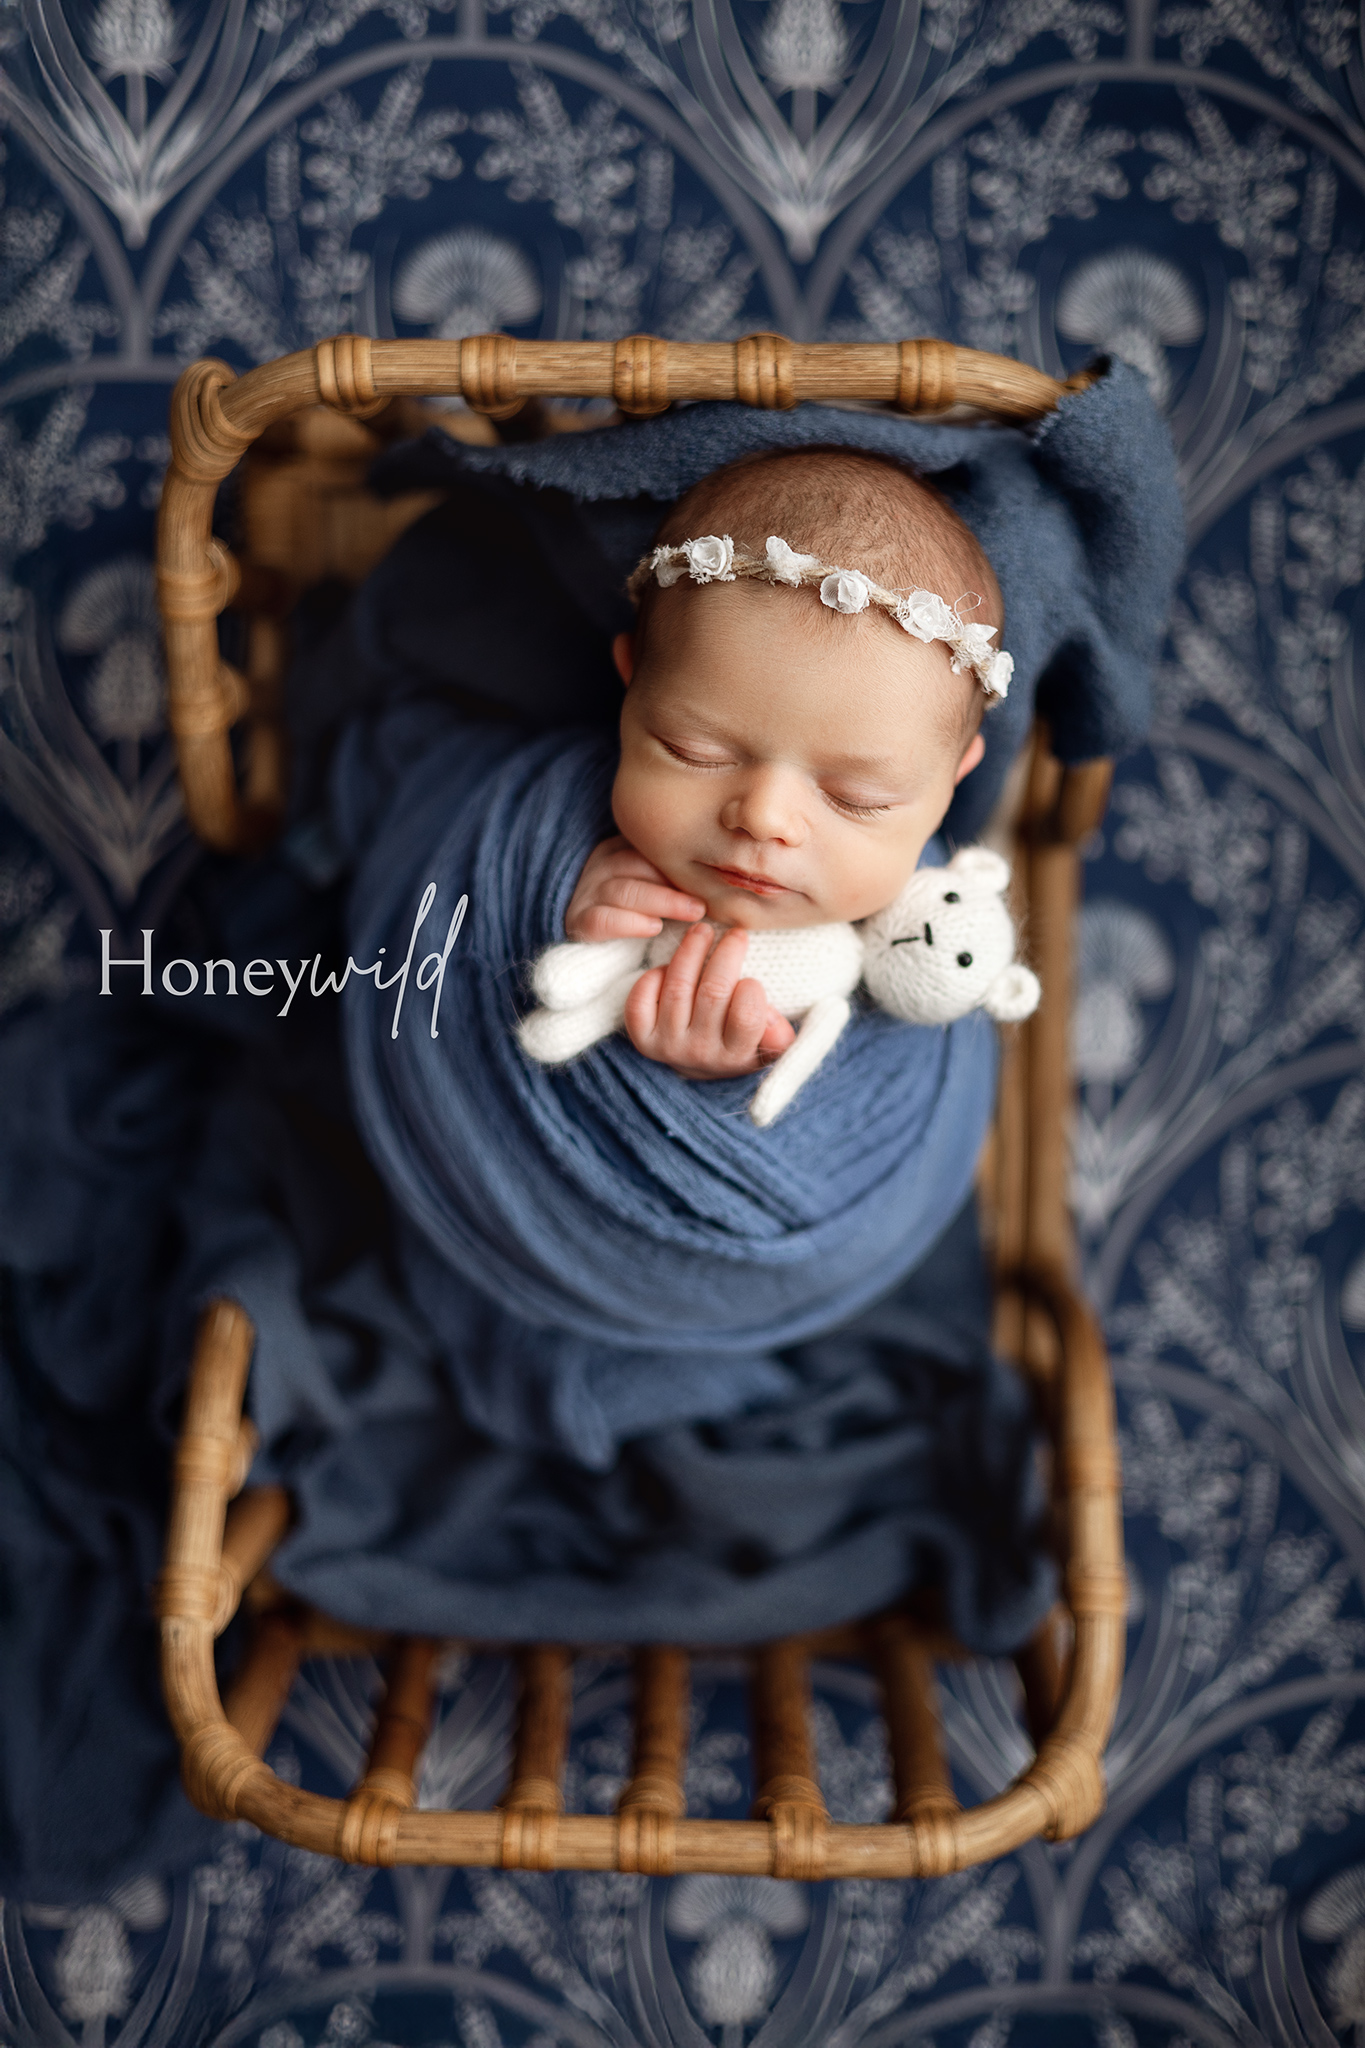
(844,590)
(713,558)
(924,615)
(785,565)
(996,675)
(709,559)
(975,641)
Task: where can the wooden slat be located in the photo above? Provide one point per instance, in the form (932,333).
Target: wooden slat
(655,1798)
(256,1697)
(788,1794)
(1043,1666)
(662,1701)
(542,1737)
(367,1823)
(403,1721)
(254,1524)
(535,1796)
(919,1757)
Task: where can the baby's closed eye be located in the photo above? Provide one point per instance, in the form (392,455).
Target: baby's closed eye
(849,807)
(696,756)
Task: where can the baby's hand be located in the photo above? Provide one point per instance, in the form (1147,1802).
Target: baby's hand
(697,1016)
(621,895)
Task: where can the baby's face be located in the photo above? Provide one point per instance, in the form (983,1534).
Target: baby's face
(787,769)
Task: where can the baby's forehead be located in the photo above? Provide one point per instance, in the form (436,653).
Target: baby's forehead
(865,665)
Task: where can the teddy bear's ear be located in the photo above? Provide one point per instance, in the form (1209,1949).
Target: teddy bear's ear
(1014,994)
(980,865)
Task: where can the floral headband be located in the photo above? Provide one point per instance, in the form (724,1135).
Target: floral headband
(714,558)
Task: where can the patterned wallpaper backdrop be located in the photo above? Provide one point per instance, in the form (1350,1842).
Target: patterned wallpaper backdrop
(1180,183)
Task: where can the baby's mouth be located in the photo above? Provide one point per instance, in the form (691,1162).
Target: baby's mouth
(757,885)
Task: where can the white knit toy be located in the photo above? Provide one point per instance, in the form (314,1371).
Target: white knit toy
(945,946)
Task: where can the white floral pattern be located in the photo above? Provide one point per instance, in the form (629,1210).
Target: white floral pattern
(1178,185)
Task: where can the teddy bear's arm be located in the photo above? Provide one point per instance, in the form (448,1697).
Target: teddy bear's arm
(577,972)
(553,1036)
(820,1029)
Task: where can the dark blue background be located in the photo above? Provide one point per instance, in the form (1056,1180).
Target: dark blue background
(1045,177)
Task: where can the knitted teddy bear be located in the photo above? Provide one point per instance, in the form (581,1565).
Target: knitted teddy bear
(944,947)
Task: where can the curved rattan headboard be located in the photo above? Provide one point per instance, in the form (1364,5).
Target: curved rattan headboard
(217,415)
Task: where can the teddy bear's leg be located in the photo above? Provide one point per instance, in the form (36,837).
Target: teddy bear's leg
(565,976)
(553,1036)
(820,1029)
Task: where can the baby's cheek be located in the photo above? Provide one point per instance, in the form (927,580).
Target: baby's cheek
(644,813)
(874,873)
(630,808)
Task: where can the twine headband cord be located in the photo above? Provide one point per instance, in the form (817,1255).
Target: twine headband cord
(714,558)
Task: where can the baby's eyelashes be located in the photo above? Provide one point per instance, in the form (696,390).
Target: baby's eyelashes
(694,759)
(849,809)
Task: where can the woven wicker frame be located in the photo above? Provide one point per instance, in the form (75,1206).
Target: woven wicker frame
(220,1538)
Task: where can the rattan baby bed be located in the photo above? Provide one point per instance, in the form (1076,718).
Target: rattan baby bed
(303,512)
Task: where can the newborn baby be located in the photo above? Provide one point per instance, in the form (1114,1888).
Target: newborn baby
(787,746)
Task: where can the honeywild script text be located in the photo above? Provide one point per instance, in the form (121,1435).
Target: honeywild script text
(180,977)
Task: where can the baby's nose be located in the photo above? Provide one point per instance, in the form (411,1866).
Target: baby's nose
(765,809)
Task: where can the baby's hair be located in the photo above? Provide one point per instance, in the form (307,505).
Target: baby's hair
(863,511)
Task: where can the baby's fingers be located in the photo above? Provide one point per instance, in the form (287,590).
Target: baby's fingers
(745,1019)
(599,921)
(778,1034)
(679,993)
(716,987)
(642,1008)
(651,899)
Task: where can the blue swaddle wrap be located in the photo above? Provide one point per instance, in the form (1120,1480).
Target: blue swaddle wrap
(624,1228)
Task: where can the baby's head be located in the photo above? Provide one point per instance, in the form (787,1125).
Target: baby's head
(781,760)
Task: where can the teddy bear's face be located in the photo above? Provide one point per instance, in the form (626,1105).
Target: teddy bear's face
(932,956)
(946,945)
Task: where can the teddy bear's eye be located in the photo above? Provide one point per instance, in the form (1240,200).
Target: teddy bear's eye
(952,897)
(964,959)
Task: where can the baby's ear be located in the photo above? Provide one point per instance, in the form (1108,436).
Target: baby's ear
(978,864)
(1014,994)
